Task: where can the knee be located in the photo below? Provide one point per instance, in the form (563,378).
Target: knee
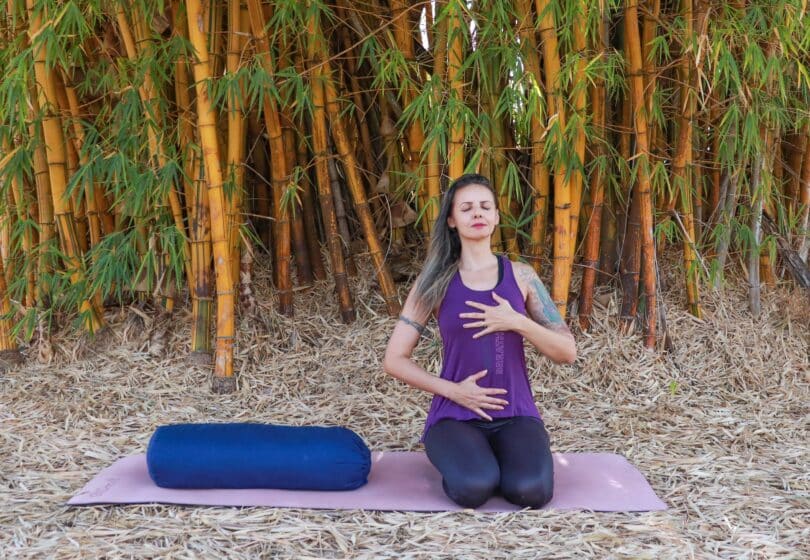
(532,493)
(472,489)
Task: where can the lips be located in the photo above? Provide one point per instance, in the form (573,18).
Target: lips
(479,225)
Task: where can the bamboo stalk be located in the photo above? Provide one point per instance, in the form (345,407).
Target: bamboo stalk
(361,108)
(681,174)
(261,190)
(195,189)
(561,272)
(590,257)
(278,167)
(224,380)
(539,171)
(72,163)
(94,220)
(320,146)
(308,211)
(433,172)
(715,182)
(804,228)
(756,235)
(642,155)
(336,189)
(92,319)
(455,60)
(42,181)
(403,36)
(580,100)
(25,209)
(202,299)
(630,257)
(608,241)
(794,164)
(8,344)
(149,98)
(236,138)
(7,223)
(356,187)
(302,266)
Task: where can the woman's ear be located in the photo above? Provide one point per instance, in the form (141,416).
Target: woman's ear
(451,223)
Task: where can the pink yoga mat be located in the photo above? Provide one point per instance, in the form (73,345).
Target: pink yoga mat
(399,481)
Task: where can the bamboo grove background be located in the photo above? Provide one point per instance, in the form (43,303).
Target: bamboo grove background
(154,149)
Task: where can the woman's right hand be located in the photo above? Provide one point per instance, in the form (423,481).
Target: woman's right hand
(468,394)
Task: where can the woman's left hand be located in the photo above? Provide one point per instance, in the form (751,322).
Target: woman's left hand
(501,317)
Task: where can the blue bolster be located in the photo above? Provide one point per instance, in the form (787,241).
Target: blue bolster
(257,456)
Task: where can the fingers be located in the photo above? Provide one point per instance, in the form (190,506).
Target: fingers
(472,315)
(483,332)
(482,414)
(494,391)
(474,325)
(492,406)
(477,305)
(478,375)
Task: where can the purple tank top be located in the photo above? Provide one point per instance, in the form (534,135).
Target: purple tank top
(500,353)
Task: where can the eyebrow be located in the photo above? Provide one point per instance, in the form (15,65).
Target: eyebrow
(485,201)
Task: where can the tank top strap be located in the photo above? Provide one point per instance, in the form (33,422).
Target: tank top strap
(509,278)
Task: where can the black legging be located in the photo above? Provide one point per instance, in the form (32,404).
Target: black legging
(475,457)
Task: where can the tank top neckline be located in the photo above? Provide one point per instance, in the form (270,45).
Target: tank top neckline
(501,278)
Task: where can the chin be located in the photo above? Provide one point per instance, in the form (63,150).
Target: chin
(478,235)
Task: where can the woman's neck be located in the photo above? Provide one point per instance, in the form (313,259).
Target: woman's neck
(476,255)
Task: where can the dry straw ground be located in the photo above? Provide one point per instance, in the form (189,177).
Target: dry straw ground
(719,426)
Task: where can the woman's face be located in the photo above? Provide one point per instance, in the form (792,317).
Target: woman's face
(473,212)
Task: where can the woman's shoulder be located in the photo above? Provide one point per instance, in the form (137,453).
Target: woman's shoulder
(524,274)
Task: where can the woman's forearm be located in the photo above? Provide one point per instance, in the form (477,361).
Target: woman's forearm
(559,347)
(406,370)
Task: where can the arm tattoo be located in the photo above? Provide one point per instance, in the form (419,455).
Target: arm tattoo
(539,304)
(419,328)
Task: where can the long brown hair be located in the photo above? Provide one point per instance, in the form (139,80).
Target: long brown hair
(441,262)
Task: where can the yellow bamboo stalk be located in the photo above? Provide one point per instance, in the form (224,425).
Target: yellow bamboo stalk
(580,90)
(7,220)
(236,138)
(42,182)
(649,25)
(92,319)
(207,127)
(72,163)
(643,171)
(561,272)
(539,171)
(593,233)
(8,343)
(455,59)
(681,170)
(278,169)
